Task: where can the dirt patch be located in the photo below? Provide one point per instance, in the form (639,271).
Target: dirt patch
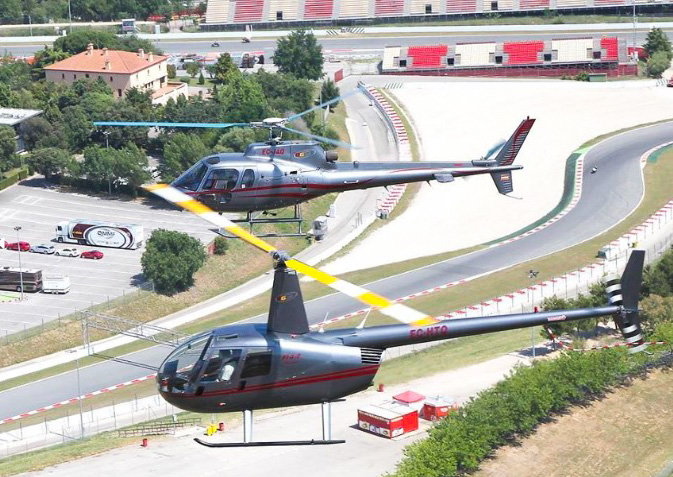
(625,434)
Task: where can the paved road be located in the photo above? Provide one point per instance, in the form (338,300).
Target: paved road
(607,197)
(338,45)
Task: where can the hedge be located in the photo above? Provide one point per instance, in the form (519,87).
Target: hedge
(13,176)
(512,409)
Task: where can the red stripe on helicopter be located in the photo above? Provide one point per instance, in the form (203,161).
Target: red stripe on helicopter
(349,373)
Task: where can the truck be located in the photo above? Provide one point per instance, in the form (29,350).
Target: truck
(55,284)
(101,234)
(12,278)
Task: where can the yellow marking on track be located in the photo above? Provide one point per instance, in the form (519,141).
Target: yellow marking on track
(374,300)
(319,275)
(428,320)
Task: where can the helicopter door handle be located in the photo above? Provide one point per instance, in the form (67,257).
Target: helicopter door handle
(241,386)
(351,182)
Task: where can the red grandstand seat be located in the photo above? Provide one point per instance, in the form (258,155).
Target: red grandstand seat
(389,7)
(522,52)
(610,45)
(427,56)
(248,11)
(608,2)
(533,4)
(461,6)
(318,9)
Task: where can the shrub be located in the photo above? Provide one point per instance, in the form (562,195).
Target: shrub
(220,245)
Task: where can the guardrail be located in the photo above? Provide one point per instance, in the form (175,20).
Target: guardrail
(159,428)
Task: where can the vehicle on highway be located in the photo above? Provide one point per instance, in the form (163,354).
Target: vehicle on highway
(215,44)
(101,234)
(93,254)
(56,284)
(67,252)
(23,246)
(12,278)
(45,248)
(249,366)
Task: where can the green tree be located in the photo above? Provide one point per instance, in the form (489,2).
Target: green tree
(35,130)
(658,277)
(220,245)
(130,166)
(171,259)
(193,68)
(657,64)
(180,153)
(202,80)
(285,93)
(243,100)
(235,140)
(329,91)
(299,54)
(7,146)
(45,57)
(78,127)
(10,10)
(657,41)
(77,40)
(655,310)
(171,71)
(225,69)
(51,161)
(99,165)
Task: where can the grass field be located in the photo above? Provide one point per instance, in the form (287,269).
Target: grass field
(627,434)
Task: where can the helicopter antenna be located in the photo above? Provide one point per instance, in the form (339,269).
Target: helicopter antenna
(362,323)
(322,325)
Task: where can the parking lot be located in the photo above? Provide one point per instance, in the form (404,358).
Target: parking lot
(37,209)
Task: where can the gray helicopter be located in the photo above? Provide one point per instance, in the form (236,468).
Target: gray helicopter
(277,173)
(283,363)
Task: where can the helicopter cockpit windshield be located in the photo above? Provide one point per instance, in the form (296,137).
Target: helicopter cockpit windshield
(192,178)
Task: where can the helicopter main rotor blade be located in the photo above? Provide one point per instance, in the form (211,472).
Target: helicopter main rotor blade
(168,125)
(334,142)
(388,307)
(322,105)
(495,148)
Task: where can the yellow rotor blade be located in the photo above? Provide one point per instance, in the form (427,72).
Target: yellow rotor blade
(389,308)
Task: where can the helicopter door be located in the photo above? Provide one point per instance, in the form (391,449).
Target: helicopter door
(219,184)
(256,366)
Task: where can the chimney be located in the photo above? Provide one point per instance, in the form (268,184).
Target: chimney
(141,53)
(107,65)
(150,56)
(89,49)
(105,52)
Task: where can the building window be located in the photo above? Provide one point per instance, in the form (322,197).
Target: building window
(137,76)
(597,55)
(86,75)
(403,63)
(498,59)
(279,15)
(119,92)
(428,8)
(100,77)
(547,57)
(494,6)
(63,76)
(450,61)
(110,79)
(74,76)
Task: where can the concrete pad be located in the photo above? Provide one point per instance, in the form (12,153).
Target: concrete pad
(460,120)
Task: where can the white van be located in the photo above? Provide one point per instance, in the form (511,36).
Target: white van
(55,284)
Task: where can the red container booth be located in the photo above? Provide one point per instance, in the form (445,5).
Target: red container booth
(437,408)
(388,419)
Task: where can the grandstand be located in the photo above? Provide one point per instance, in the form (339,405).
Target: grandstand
(228,14)
(567,56)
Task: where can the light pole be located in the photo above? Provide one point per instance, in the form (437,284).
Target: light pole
(107,148)
(18,247)
(69,17)
(79,397)
(532,274)
(635,21)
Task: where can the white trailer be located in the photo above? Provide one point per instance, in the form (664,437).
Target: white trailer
(55,284)
(101,234)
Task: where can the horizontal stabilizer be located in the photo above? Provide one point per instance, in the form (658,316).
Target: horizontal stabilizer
(503,181)
(444,177)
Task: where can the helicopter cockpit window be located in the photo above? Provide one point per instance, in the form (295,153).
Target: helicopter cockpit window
(192,178)
(256,364)
(221,365)
(182,363)
(248,179)
(221,179)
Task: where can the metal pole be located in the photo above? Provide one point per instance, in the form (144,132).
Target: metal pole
(107,148)
(18,243)
(69,16)
(327,421)
(635,55)
(247,426)
(79,399)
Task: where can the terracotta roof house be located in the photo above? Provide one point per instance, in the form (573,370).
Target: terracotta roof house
(121,70)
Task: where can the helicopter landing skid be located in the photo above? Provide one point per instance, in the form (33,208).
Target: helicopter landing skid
(251,221)
(247,434)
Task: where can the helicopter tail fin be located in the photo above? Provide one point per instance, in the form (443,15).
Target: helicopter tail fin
(507,155)
(625,292)
(286,313)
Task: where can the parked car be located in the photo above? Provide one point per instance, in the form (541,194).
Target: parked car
(43,248)
(67,252)
(94,254)
(24,246)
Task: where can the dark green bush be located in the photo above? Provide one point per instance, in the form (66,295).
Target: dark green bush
(220,246)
